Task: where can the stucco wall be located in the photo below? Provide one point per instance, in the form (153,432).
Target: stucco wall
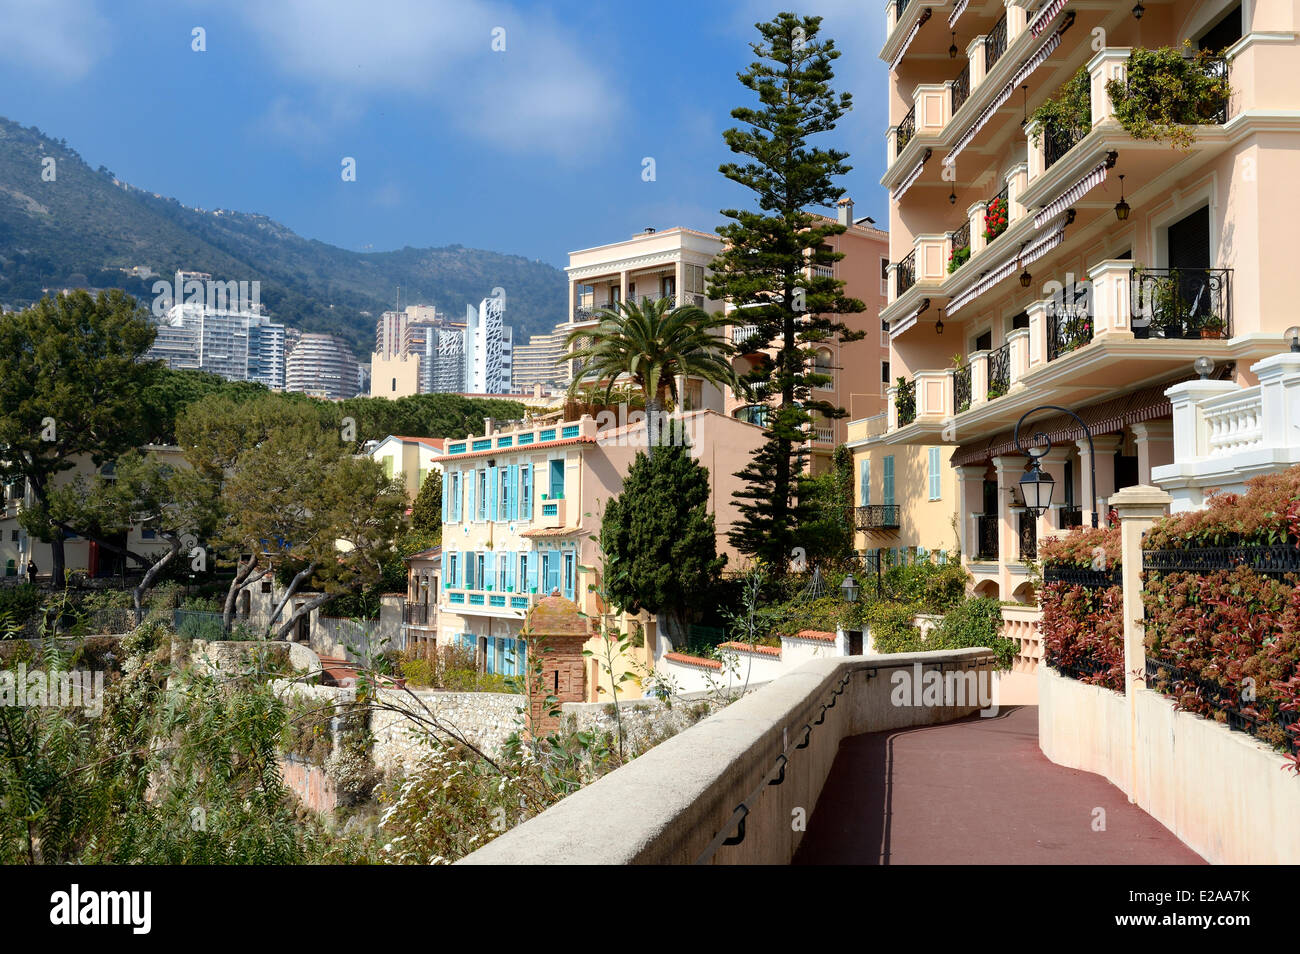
(1227,796)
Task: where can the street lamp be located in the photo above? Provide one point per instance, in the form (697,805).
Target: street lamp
(849,589)
(1036,485)
(1294,334)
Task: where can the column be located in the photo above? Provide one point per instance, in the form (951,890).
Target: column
(970,493)
(1106,445)
(1138,507)
(976,216)
(622,285)
(1008,470)
(1155,446)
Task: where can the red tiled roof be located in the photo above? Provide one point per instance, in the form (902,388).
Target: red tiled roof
(437,442)
(747,648)
(817,634)
(498,451)
(693,660)
(551,532)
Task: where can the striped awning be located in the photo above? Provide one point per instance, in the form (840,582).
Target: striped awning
(911,35)
(1045,16)
(1072,195)
(1106,417)
(1004,94)
(902,324)
(983,285)
(911,177)
(957,11)
(1044,244)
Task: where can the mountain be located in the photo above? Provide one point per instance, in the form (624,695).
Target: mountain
(86,226)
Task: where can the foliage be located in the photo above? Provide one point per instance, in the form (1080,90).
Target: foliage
(659,539)
(1166,92)
(957,258)
(827,533)
(1268,513)
(995,219)
(426,512)
(1067,114)
(1084,548)
(764,268)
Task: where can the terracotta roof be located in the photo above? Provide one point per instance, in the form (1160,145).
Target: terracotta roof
(820,636)
(423,554)
(693,660)
(437,442)
(555,616)
(747,648)
(498,451)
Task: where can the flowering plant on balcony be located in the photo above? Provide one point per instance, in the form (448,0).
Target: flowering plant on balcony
(1168,90)
(995,219)
(957,258)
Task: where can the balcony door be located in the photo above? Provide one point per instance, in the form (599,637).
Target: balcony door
(1189,240)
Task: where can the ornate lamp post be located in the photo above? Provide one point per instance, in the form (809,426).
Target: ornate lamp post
(1036,486)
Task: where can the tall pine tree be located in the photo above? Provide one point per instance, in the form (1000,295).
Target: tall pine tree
(766,267)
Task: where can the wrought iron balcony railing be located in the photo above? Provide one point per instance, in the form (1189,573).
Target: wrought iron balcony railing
(878,517)
(905,274)
(906,130)
(899,7)
(987,527)
(1028,535)
(1181,302)
(1057,141)
(1206,112)
(961,88)
(417,614)
(905,402)
(999,365)
(1067,330)
(997,214)
(995,43)
(960,254)
(961,390)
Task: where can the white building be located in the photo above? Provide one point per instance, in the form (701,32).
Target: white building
(489,348)
(238,345)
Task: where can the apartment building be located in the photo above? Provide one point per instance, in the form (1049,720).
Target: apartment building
(323,366)
(238,345)
(520,507)
(859,370)
(80,555)
(1072,264)
(672,263)
(539,362)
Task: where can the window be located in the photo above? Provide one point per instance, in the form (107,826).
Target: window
(526,491)
(568,574)
(1020,321)
(887,492)
(884,372)
(482,494)
(503,497)
(1224,33)
(394,387)
(884,269)
(935,474)
(148,534)
(864,483)
(455,496)
(557,480)
(822,366)
(984,342)
(482,571)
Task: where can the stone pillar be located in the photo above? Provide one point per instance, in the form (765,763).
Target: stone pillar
(1155,446)
(1279,398)
(975,214)
(1106,445)
(1138,507)
(975,56)
(970,491)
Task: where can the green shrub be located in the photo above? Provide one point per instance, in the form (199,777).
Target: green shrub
(1166,92)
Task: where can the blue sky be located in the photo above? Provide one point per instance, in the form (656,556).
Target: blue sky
(535,151)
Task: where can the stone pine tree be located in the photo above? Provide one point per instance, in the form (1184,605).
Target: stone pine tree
(765,269)
(426,512)
(659,539)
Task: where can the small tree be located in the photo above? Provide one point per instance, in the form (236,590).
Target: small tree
(659,539)
(773,503)
(426,513)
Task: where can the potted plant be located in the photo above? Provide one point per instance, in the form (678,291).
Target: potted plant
(1212,327)
(995,219)
(957,258)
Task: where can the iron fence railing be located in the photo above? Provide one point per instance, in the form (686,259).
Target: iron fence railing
(1181,302)
(961,88)
(999,365)
(1276,559)
(906,130)
(878,517)
(1082,576)
(1028,532)
(1208,112)
(997,214)
(416,614)
(987,525)
(1067,330)
(995,43)
(905,402)
(905,274)
(1058,140)
(960,239)
(961,390)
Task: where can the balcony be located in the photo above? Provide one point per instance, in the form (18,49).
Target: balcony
(906,130)
(960,89)
(961,389)
(905,402)
(1182,302)
(986,533)
(959,240)
(905,274)
(995,44)
(551,513)
(999,372)
(417,614)
(1067,330)
(877,517)
(997,214)
(487,602)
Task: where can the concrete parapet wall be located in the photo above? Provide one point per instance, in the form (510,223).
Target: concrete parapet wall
(1224,794)
(666,806)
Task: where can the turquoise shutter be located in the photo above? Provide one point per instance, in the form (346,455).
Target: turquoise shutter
(889,481)
(512,490)
(864,495)
(446,496)
(526,491)
(532,571)
(934,473)
(469,494)
(492,493)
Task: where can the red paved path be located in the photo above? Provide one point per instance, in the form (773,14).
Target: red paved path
(977,791)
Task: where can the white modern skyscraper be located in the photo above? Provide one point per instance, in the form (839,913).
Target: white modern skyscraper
(239,346)
(488,347)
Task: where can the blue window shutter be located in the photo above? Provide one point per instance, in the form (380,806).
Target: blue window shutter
(512,492)
(934,474)
(865,492)
(527,483)
(469,491)
(532,571)
(492,493)
(446,496)
(888,491)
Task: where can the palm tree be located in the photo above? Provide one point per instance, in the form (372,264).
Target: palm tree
(652,343)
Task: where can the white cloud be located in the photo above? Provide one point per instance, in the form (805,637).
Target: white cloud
(533,96)
(59,39)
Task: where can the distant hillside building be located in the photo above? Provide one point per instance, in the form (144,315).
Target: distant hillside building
(323,366)
(488,348)
(238,345)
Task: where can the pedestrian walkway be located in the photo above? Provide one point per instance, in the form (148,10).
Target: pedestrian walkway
(977,791)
